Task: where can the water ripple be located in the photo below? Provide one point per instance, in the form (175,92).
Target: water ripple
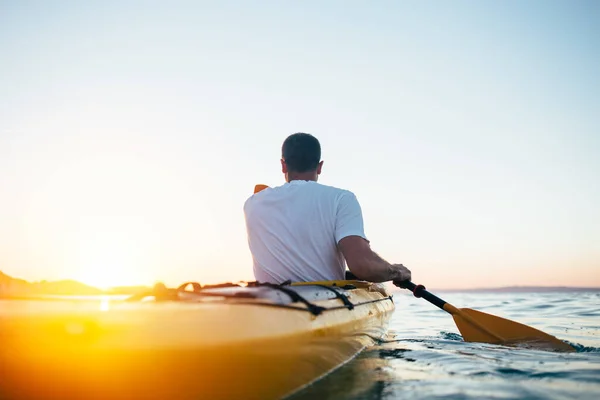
(424,356)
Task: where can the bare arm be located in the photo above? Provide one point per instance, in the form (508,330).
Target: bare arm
(350,237)
(367,265)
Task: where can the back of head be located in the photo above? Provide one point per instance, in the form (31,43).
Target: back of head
(301,152)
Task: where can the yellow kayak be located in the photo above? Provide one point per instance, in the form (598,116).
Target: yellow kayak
(259,341)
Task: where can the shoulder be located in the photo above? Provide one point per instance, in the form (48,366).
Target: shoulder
(256,197)
(338,197)
(333,190)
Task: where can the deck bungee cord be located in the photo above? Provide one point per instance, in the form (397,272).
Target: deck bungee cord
(161,293)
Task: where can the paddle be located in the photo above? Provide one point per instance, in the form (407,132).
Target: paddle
(477,326)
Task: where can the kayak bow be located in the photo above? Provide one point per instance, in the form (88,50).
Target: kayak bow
(256,342)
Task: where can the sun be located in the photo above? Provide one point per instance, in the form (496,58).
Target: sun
(109,270)
(111,257)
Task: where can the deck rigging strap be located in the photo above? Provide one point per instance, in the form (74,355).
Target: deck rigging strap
(340,296)
(324,309)
(295,296)
(161,293)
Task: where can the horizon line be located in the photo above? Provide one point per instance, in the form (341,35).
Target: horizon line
(473,289)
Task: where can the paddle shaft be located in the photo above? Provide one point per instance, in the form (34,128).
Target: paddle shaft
(419,291)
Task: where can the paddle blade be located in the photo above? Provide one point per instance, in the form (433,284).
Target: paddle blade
(473,325)
(259,187)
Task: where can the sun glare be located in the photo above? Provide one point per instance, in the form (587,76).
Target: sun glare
(109,270)
(110,257)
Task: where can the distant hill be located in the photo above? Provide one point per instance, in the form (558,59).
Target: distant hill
(14,287)
(8,280)
(10,287)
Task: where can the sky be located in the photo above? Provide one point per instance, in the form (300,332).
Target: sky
(132,132)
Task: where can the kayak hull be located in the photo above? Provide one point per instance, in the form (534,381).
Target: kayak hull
(209,349)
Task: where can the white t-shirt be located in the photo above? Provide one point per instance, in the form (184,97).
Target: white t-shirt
(293,231)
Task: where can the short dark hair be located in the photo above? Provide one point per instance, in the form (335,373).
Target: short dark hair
(301,152)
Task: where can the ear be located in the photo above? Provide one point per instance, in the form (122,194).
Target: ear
(319,167)
(283,166)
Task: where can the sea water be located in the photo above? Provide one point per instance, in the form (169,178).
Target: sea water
(424,356)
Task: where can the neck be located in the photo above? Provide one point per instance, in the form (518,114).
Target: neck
(302,176)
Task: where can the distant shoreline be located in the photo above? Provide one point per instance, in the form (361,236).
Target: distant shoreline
(16,288)
(522,289)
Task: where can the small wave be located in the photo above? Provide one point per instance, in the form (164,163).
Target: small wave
(500,372)
(583,349)
(394,353)
(552,375)
(511,371)
(589,314)
(541,306)
(451,336)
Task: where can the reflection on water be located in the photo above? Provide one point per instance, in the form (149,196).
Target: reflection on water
(424,356)
(104,303)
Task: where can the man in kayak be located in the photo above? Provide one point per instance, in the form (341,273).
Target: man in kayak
(304,231)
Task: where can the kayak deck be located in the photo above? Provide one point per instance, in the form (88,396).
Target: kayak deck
(248,342)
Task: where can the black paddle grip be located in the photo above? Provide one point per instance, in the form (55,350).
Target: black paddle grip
(420,291)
